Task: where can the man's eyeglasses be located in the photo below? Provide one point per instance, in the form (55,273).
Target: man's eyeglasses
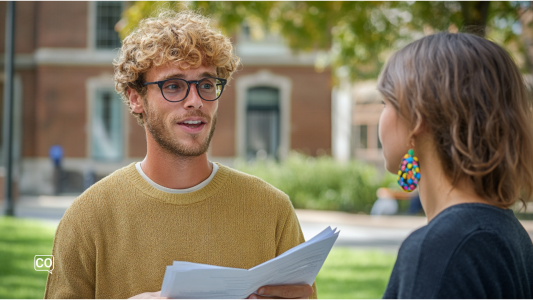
(176,89)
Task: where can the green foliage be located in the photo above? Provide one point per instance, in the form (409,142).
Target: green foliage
(20,241)
(355,274)
(322,183)
(355,38)
(136,12)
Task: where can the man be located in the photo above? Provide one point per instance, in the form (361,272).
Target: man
(117,238)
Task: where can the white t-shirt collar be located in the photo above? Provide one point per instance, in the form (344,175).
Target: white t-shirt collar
(177,191)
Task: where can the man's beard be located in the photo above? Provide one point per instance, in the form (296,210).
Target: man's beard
(168,141)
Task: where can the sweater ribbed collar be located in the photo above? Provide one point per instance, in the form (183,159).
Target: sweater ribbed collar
(179,199)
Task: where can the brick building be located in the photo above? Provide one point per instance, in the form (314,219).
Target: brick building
(64,95)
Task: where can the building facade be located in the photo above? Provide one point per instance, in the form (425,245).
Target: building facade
(64,95)
(366,111)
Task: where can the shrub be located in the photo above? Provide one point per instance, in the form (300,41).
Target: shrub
(321,182)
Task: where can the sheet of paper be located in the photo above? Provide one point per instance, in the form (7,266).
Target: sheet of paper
(298,265)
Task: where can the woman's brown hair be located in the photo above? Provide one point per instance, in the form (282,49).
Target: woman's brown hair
(470,95)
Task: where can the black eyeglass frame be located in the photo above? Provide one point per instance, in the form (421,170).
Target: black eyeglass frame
(197,82)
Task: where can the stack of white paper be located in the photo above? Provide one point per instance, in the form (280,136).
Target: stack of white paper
(299,265)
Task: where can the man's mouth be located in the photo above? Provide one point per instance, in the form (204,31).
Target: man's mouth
(192,124)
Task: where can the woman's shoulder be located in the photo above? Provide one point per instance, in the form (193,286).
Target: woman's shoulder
(454,227)
(488,264)
(460,221)
(461,244)
(461,251)
(450,227)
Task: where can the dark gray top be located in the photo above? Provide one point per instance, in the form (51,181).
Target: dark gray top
(467,251)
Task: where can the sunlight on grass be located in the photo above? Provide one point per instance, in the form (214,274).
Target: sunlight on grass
(349,274)
(20,241)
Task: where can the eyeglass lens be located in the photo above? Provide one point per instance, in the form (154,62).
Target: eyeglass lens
(176,89)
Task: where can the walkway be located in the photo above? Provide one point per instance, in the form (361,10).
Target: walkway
(358,231)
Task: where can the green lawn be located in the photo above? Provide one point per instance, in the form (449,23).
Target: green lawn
(355,274)
(20,241)
(346,273)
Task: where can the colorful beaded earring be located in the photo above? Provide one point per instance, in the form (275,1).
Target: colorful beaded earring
(409,173)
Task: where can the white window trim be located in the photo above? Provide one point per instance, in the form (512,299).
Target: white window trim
(267,79)
(341,121)
(91,25)
(104,81)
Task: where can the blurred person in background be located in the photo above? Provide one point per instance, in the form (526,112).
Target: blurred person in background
(415,206)
(117,238)
(457,113)
(386,204)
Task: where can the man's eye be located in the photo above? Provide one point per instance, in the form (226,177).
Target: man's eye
(172,87)
(206,86)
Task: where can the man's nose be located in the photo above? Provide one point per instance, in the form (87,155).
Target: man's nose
(193,100)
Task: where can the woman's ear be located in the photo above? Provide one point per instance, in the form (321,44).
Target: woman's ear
(424,139)
(420,128)
(136,101)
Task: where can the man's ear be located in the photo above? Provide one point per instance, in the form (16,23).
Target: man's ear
(136,101)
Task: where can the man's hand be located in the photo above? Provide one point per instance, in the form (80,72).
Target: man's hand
(283,292)
(153,295)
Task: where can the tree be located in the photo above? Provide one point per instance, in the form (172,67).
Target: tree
(354,38)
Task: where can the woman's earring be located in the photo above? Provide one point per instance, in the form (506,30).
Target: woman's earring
(409,173)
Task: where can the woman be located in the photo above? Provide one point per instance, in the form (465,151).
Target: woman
(457,124)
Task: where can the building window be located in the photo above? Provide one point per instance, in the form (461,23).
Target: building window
(108,13)
(106,126)
(262,122)
(363,136)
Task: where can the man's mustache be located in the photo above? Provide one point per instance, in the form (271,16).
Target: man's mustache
(198,114)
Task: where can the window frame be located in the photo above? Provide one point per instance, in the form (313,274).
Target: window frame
(94,85)
(265,108)
(92,26)
(263,78)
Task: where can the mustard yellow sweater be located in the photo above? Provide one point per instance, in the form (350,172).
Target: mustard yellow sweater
(117,238)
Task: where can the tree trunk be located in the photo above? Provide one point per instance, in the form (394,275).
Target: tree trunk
(475,16)
(526,20)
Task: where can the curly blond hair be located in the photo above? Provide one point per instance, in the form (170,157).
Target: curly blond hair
(183,37)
